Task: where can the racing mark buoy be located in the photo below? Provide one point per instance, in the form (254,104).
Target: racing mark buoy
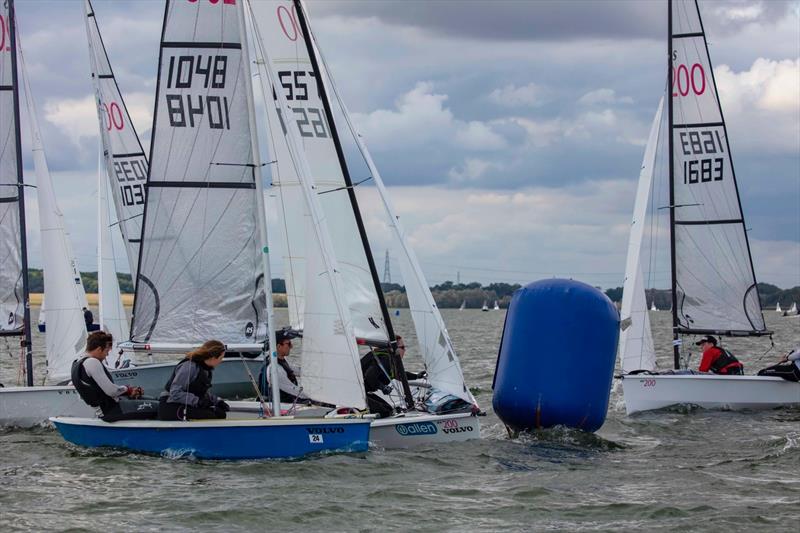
(556,358)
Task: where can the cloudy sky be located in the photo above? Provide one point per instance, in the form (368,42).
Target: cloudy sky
(510,134)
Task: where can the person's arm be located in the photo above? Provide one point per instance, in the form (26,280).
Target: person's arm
(708,358)
(286,385)
(794,355)
(185,373)
(94,369)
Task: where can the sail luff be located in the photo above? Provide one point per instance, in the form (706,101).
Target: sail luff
(636,348)
(14,186)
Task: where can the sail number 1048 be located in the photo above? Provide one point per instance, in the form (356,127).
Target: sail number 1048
(197,72)
(702,169)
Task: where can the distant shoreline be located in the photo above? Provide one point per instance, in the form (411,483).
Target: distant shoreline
(278,299)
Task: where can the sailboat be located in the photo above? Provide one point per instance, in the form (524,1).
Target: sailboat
(124,167)
(793,309)
(496,306)
(204,253)
(463,305)
(714,290)
(25,406)
(290,52)
(778,308)
(484,307)
(653,306)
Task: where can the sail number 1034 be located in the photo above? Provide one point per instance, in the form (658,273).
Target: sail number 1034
(702,169)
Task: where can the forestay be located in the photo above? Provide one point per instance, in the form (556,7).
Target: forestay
(199,274)
(11,289)
(66,329)
(284,39)
(715,286)
(636,350)
(125,160)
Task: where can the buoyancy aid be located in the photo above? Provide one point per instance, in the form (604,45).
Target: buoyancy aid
(88,389)
(200,384)
(376,367)
(724,361)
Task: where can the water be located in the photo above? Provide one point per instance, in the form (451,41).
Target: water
(670,470)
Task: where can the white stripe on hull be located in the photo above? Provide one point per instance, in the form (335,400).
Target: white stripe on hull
(709,391)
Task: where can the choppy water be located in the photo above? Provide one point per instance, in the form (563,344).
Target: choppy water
(672,470)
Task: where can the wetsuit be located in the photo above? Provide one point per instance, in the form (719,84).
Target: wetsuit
(378,374)
(790,370)
(720,361)
(187,394)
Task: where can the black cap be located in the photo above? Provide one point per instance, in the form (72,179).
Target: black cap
(707,338)
(284,335)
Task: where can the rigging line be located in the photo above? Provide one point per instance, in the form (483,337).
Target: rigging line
(118,222)
(345,187)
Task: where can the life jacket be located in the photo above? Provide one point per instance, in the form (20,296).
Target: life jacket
(262,380)
(200,384)
(376,367)
(724,361)
(88,389)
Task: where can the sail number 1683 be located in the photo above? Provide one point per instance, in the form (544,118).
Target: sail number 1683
(705,169)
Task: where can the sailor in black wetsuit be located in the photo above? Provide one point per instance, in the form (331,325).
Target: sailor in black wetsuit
(95,386)
(377,369)
(187,393)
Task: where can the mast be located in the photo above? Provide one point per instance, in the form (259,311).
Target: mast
(26,341)
(262,223)
(675,345)
(399,370)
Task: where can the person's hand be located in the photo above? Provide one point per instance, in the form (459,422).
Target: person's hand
(133,392)
(386,389)
(422,375)
(784,359)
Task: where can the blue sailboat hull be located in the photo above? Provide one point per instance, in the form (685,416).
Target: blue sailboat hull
(221,439)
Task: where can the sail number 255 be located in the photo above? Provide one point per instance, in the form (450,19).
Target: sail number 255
(704,169)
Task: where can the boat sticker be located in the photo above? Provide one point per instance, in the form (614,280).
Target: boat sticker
(315,438)
(417,428)
(452,426)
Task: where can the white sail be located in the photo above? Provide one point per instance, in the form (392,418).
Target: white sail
(11,291)
(112,317)
(778,308)
(793,309)
(436,348)
(496,306)
(463,305)
(200,268)
(284,39)
(125,159)
(66,329)
(636,348)
(715,284)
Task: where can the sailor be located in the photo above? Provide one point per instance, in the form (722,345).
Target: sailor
(88,317)
(787,368)
(378,374)
(287,377)
(187,394)
(96,387)
(718,360)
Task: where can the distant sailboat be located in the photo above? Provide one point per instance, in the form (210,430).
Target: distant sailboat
(463,305)
(778,308)
(496,306)
(793,309)
(484,307)
(653,306)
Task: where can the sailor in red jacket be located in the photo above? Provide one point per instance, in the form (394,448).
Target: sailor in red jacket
(718,360)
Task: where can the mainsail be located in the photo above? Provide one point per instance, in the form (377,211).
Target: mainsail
(66,329)
(636,350)
(125,160)
(13,297)
(200,268)
(714,286)
(291,59)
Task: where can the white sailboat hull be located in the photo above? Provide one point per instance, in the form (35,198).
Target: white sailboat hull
(416,429)
(32,406)
(709,391)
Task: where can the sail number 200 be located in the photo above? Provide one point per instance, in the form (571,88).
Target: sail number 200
(703,170)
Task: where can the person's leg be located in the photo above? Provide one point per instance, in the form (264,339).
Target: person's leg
(379,406)
(781,370)
(203,413)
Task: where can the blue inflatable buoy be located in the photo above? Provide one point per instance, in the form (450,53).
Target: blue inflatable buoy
(556,358)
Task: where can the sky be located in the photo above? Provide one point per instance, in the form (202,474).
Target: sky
(510,134)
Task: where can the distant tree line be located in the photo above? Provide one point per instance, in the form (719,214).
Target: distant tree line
(449,295)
